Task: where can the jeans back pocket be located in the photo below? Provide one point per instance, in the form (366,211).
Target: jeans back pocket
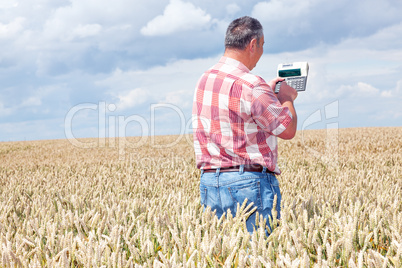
(249,190)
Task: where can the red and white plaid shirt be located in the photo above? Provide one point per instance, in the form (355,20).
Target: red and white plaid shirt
(236,118)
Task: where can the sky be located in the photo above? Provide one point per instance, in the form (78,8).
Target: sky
(97,68)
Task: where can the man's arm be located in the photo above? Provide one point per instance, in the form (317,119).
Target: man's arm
(286,96)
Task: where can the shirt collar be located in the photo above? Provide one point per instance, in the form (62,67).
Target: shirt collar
(235,63)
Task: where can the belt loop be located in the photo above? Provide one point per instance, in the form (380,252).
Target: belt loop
(264,169)
(217,171)
(202,171)
(241,169)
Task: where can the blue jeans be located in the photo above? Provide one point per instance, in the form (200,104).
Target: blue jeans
(222,191)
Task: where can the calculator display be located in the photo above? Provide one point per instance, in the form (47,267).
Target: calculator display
(289,72)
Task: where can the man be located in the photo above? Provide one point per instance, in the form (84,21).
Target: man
(237,118)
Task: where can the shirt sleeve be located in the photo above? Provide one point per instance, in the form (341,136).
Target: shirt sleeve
(267,111)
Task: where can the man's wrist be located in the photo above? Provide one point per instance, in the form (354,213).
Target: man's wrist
(285,100)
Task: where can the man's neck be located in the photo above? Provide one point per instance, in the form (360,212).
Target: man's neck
(238,55)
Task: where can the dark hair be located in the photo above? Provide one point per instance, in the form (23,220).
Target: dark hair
(241,31)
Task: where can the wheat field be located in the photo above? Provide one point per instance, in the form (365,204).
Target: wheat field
(113,206)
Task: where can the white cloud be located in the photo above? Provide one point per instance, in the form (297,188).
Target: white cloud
(386,94)
(295,25)
(399,88)
(86,18)
(181,98)
(395,93)
(87,30)
(11,29)
(178,16)
(386,38)
(232,9)
(361,90)
(132,98)
(4,4)
(366,89)
(4,111)
(289,17)
(277,10)
(173,83)
(31,101)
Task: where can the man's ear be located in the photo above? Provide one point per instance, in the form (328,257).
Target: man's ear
(253,45)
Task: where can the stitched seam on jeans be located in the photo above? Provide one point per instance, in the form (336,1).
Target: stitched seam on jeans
(241,179)
(205,196)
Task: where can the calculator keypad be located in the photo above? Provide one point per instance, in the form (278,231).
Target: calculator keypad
(298,83)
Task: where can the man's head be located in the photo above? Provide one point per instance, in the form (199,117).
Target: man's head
(241,31)
(244,40)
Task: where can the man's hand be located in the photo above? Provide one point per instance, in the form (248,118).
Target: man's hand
(273,82)
(286,93)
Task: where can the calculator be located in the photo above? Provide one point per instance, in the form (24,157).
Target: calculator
(295,75)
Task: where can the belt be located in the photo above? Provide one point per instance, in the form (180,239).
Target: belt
(251,168)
